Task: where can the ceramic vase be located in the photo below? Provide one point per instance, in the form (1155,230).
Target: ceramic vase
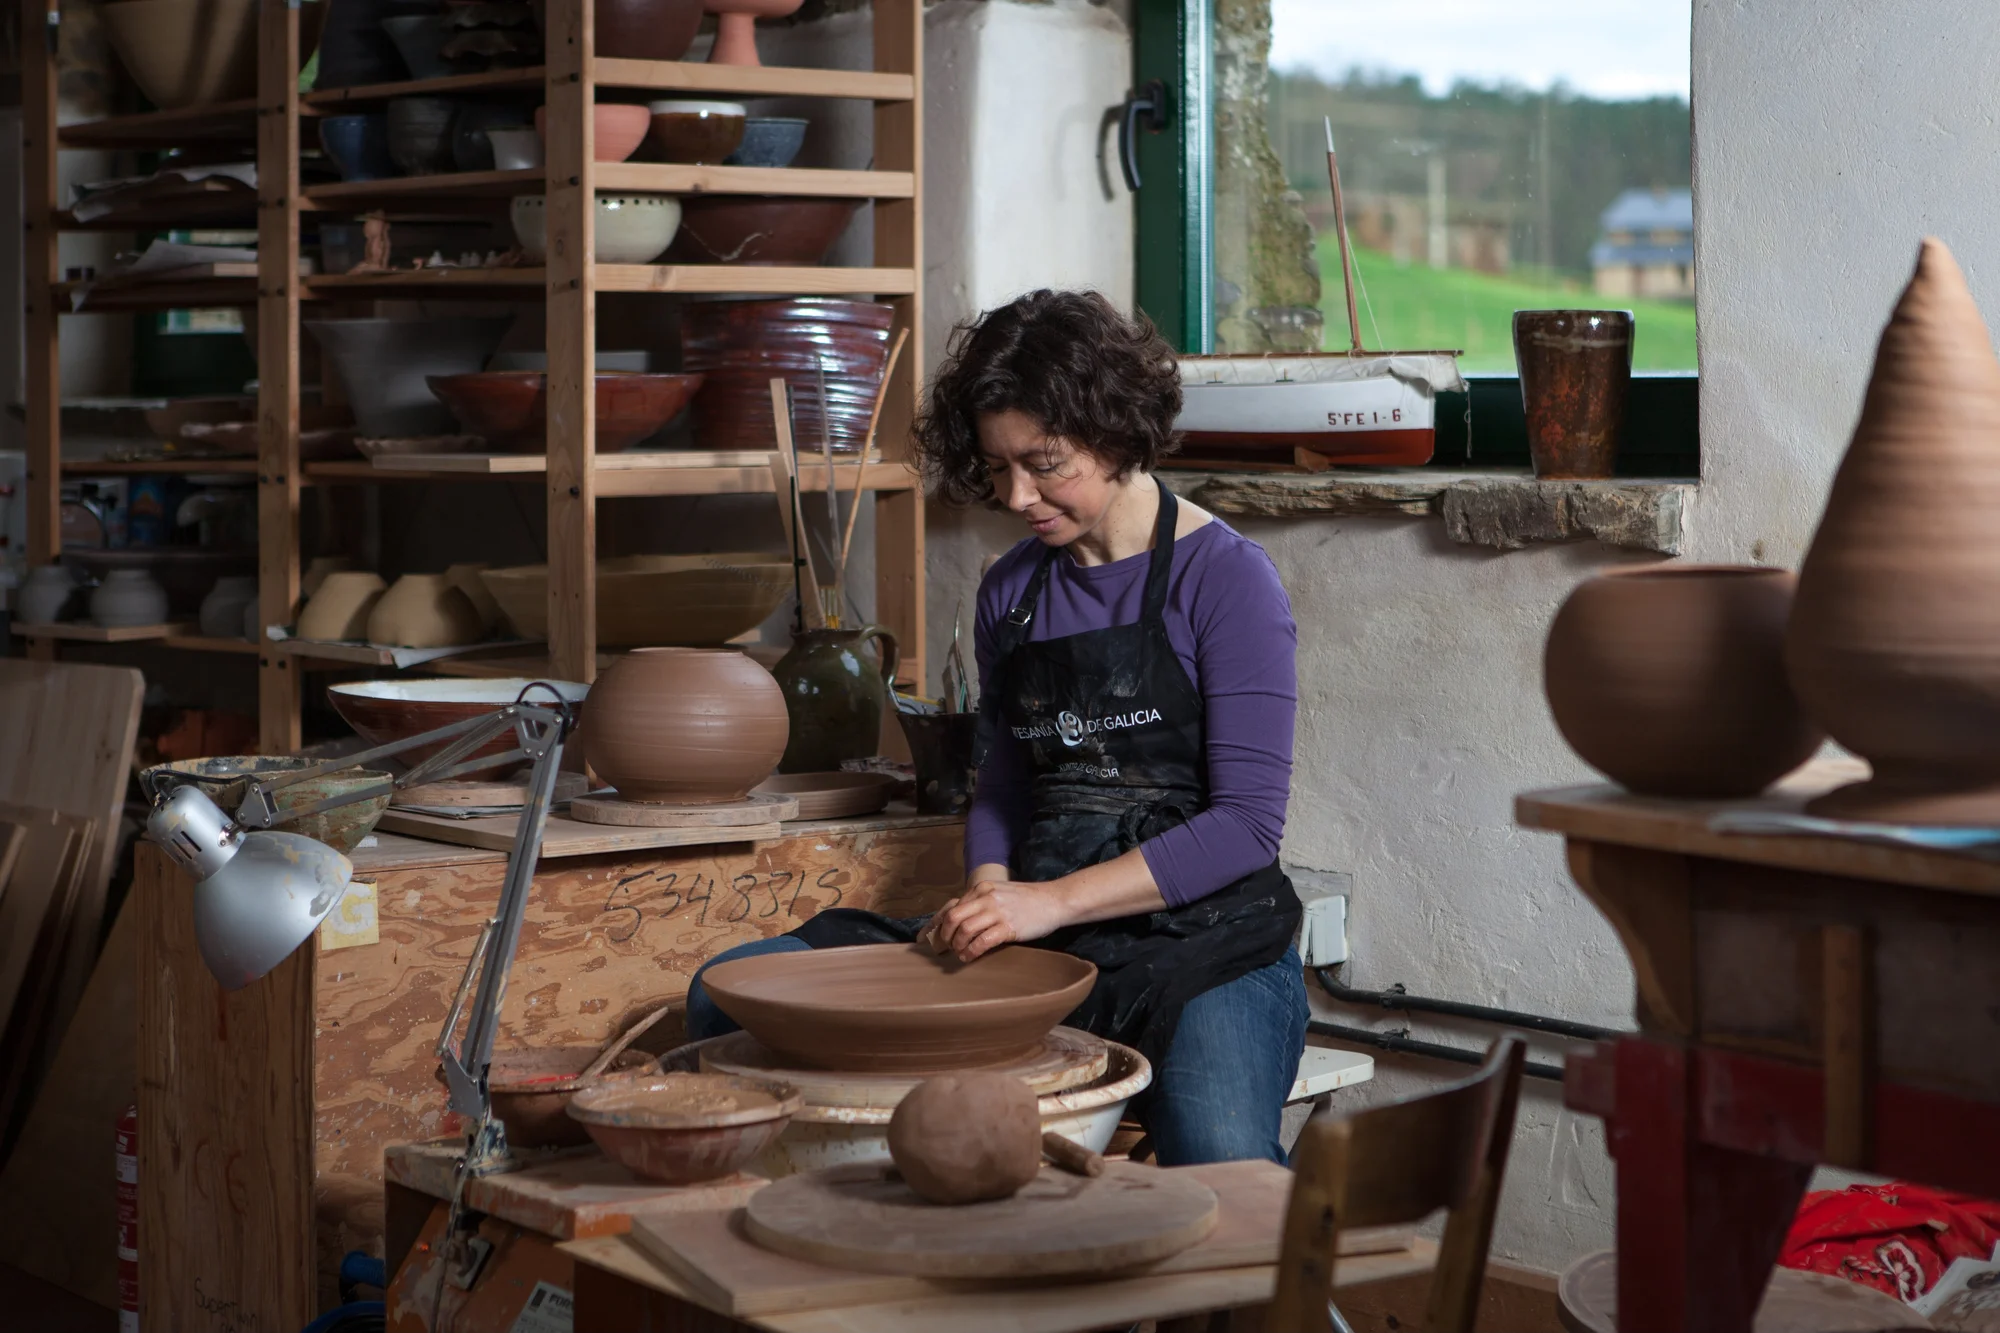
(736,27)
(425,611)
(688,726)
(339,611)
(834,696)
(128,597)
(1895,638)
(1670,679)
(1576,367)
(45,594)
(221,615)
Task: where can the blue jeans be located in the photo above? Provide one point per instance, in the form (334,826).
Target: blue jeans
(1218,1095)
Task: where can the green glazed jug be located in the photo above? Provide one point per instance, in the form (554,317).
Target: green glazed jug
(834,696)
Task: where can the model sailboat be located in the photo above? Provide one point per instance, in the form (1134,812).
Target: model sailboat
(1311,411)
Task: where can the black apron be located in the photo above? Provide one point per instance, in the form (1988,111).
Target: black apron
(1115,733)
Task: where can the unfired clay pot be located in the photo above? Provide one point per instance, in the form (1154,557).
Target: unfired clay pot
(687,726)
(465,578)
(339,610)
(1895,639)
(1671,679)
(425,611)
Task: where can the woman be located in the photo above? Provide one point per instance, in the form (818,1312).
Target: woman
(1138,690)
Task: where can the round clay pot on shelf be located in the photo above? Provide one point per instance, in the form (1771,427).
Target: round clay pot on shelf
(1894,642)
(1576,366)
(45,594)
(687,726)
(834,696)
(425,611)
(128,597)
(1670,679)
(339,611)
(221,615)
(736,27)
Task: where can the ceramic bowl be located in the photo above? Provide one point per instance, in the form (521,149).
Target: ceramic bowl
(226,778)
(635,361)
(899,1007)
(683,131)
(631,228)
(471,141)
(222,610)
(679,1129)
(419,40)
(383,364)
(186,572)
(185,53)
(381,711)
(420,134)
(338,612)
(358,145)
(654,600)
(510,408)
(740,345)
(45,595)
(531,1091)
(354,49)
(769,141)
(617,131)
(128,597)
(425,611)
(759,229)
(515,148)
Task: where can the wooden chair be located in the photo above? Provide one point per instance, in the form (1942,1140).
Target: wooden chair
(1394,1165)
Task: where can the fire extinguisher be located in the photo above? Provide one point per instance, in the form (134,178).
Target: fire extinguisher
(128,1220)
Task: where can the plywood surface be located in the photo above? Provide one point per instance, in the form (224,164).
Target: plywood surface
(54,848)
(563,836)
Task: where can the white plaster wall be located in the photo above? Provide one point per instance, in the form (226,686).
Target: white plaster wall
(1823,152)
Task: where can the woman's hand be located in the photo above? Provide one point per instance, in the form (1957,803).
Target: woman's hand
(994,912)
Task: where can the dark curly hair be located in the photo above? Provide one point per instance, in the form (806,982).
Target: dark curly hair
(1102,381)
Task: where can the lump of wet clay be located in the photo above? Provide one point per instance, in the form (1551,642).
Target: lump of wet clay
(966,1138)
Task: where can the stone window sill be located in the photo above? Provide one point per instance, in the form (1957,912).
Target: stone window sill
(1503,510)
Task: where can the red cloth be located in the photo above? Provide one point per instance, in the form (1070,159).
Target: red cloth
(1897,1238)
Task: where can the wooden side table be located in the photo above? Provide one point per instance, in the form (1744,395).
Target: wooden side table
(1800,1000)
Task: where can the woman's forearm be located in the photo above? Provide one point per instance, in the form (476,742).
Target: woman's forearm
(1120,887)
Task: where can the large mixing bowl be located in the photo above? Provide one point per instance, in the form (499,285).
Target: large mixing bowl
(382,711)
(898,1007)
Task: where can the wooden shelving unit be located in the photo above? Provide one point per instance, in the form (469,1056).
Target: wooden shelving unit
(273,125)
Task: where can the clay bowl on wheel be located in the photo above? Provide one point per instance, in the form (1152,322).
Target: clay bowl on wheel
(510,407)
(531,1091)
(682,1128)
(758,229)
(381,711)
(898,1007)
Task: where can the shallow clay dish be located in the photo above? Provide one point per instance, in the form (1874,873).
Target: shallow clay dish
(896,1007)
(531,1091)
(510,407)
(682,1128)
(831,795)
(758,229)
(225,778)
(657,600)
(1671,679)
(381,711)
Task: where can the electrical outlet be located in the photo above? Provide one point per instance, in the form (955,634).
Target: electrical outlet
(1323,930)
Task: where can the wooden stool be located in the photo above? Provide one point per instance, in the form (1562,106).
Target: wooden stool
(1794,1302)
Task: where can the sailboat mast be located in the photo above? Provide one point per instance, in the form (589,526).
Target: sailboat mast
(1340,231)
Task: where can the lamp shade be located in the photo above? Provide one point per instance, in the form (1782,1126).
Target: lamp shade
(257,896)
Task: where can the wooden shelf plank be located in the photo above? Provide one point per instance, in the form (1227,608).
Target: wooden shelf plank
(457,184)
(194,294)
(218,122)
(686,278)
(514,464)
(195,212)
(131,467)
(80,632)
(633,177)
(663,472)
(334,101)
(202,643)
(755,80)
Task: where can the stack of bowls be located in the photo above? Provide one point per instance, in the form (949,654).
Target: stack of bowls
(739,346)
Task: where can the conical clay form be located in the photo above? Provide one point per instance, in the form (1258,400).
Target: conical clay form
(1894,642)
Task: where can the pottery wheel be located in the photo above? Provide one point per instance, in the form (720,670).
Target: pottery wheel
(1066,1059)
(469,793)
(866,1218)
(753,809)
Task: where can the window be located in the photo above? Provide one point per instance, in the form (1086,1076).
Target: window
(1493,157)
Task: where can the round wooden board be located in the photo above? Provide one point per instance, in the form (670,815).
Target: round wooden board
(831,795)
(1059,1225)
(753,809)
(569,786)
(1068,1059)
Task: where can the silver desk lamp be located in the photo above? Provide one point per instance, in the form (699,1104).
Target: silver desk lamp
(259,893)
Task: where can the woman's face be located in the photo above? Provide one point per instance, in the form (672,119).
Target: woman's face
(1060,490)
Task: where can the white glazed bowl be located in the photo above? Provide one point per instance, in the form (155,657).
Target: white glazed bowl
(631,228)
(515,147)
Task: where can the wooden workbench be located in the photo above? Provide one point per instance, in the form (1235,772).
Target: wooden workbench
(264,1112)
(1801,999)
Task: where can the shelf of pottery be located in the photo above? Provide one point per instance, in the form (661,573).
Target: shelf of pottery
(422,177)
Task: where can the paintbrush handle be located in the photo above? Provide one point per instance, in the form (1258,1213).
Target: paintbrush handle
(785,480)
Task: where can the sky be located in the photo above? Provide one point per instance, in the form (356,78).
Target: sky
(1606,48)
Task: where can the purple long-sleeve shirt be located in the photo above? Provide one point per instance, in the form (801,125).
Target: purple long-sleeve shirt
(1230,623)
